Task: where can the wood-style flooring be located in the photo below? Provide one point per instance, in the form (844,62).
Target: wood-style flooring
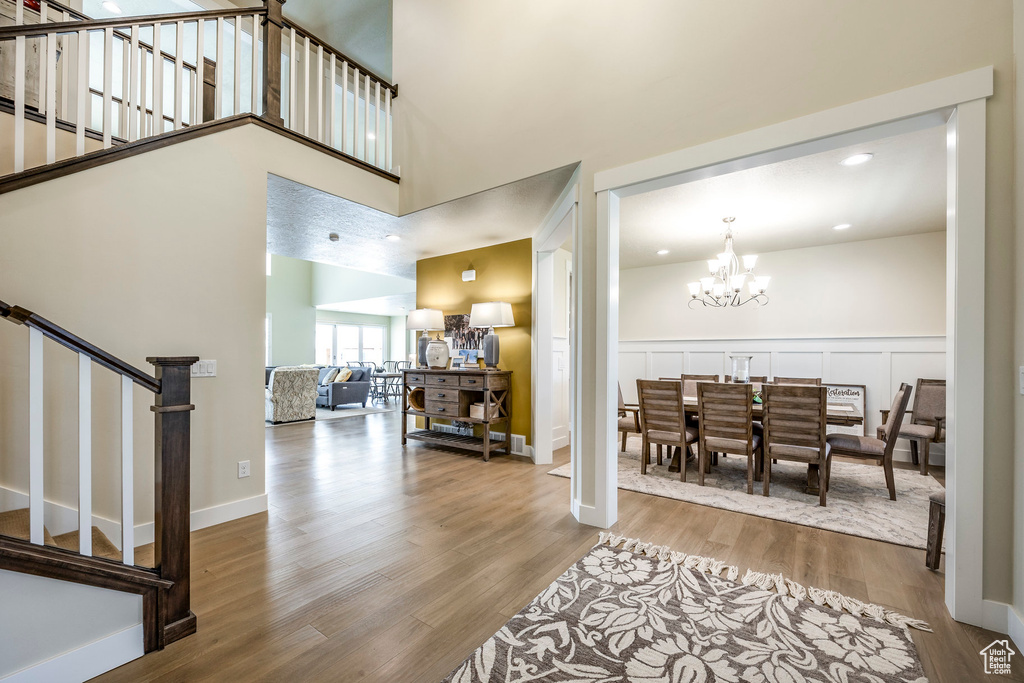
(379,563)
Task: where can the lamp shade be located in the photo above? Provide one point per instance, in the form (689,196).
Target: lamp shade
(491,314)
(425,319)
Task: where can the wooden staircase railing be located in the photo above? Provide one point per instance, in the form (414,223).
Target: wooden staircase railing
(165,587)
(166,72)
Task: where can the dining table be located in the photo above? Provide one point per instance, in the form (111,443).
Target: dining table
(837,415)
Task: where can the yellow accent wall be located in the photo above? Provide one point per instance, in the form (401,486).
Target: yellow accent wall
(504,272)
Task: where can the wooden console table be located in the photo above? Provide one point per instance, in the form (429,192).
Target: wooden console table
(449,395)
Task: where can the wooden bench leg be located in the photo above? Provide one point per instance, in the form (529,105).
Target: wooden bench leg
(936,523)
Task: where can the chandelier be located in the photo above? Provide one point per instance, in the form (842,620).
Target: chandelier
(724,286)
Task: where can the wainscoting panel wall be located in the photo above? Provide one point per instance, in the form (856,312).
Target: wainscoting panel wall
(879,363)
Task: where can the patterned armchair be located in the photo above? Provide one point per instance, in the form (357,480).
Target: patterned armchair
(291,394)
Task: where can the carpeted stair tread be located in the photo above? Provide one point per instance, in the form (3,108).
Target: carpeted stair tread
(15,523)
(101,545)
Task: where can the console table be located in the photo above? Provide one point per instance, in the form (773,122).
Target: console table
(449,395)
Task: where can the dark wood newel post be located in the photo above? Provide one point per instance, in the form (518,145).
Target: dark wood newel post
(172,505)
(273,24)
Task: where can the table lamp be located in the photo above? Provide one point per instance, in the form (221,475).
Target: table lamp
(490,315)
(428,320)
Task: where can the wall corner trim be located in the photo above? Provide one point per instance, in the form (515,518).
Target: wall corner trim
(86,662)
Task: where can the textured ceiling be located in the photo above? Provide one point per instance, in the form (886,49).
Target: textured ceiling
(794,204)
(300,219)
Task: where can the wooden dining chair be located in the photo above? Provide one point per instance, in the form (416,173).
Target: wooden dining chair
(928,424)
(814,381)
(727,426)
(629,418)
(795,422)
(879,448)
(690,383)
(663,421)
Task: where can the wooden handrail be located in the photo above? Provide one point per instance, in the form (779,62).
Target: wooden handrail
(37,30)
(351,62)
(58,334)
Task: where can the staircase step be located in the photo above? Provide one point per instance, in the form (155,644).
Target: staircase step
(101,545)
(15,523)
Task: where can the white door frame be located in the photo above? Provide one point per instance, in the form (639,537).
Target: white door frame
(960,101)
(551,235)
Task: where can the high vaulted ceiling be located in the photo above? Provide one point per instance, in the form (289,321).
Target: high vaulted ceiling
(794,204)
(301,218)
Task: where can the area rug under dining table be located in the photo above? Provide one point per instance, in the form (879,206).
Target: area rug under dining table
(858,502)
(632,611)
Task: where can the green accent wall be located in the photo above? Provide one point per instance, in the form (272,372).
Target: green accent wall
(292,316)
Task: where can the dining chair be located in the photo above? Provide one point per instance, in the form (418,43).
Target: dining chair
(663,421)
(628,424)
(815,381)
(879,448)
(795,422)
(928,424)
(727,426)
(690,383)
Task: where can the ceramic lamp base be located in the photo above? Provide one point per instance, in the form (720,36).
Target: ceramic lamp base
(437,354)
(491,351)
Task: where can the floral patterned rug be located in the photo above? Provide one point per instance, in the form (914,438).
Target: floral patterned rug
(633,612)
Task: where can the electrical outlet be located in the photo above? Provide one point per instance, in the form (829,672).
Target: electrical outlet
(243,469)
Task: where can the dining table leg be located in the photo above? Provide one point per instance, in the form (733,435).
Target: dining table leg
(813,479)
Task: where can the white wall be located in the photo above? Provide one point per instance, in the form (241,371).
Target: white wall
(332,285)
(398,348)
(293,318)
(44,618)
(875,288)
(159,254)
(561,385)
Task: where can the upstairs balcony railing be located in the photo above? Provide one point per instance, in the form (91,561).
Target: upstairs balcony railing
(119,80)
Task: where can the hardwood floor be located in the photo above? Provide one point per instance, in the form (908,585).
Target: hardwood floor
(379,563)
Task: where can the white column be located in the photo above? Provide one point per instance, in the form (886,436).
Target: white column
(84,454)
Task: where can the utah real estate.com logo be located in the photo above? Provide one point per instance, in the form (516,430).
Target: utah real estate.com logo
(997,657)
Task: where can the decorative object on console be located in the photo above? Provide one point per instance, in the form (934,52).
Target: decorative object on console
(459,334)
(490,315)
(741,368)
(427,320)
(724,287)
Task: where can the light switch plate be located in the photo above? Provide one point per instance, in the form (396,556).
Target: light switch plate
(1021,370)
(204,368)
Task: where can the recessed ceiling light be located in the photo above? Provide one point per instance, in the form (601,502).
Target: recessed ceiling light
(857,159)
(111,7)
(662,252)
(333,237)
(392,238)
(841,226)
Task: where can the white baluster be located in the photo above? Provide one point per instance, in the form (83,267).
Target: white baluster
(126,75)
(108,87)
(218,89)
(366,120)
(344,106)
(127,475)
(236,105)
(64,41)
(82,92)
(330,101)
(320,93)
(376,125)
(387,130)
(355,112)
(144,126)
(179,71)
(19,91)
(84,454)
(35,435)
(305,87)
(51,97)
(200,67)
(158,83)
(255,109)
(40,100)
(293,69)
(133,118)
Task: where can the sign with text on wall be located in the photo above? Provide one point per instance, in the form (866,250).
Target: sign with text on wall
(850,398)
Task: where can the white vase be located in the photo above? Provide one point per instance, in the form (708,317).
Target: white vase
(437,354)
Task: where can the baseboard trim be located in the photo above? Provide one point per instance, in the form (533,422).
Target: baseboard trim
(87,661)
(1015,627)
(588,514)
(61,518)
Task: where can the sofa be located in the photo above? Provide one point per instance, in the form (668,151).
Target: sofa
(354,390)
(291,394)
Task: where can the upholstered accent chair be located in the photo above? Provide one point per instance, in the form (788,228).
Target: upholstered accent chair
(813,381)
(629,418)
(795,422)
(727,426)
(663,421)
(291,394)
(928,424)
(879,448)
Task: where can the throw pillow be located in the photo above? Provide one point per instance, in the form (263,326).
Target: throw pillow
(329,377)
(344,375)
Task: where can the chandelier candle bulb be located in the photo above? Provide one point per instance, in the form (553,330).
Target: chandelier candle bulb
(694,289)
(713,266)
(748,262)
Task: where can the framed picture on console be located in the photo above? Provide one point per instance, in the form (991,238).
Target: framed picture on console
(850,398)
